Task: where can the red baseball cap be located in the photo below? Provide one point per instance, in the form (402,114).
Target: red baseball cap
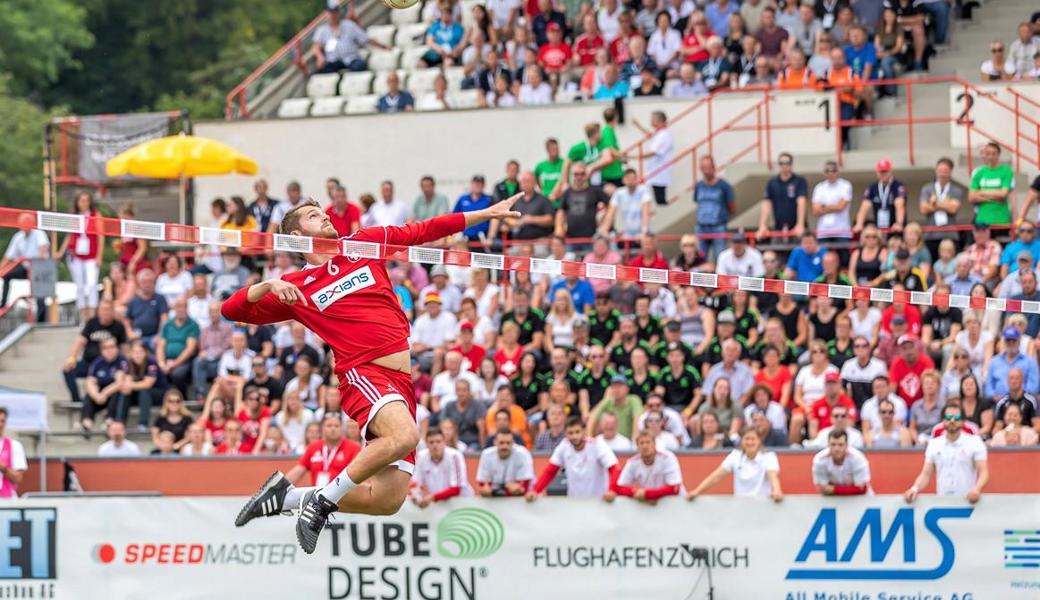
(832,376)
(553,26)
(466,325)
(883,166)
(906,338)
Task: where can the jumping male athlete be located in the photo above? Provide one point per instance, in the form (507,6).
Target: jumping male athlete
(349,302)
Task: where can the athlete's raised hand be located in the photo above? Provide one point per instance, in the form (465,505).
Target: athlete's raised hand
(503,209)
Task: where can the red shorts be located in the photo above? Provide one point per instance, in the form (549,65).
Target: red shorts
(366,389)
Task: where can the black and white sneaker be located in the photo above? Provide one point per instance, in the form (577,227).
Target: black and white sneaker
(268,501)
(314,514)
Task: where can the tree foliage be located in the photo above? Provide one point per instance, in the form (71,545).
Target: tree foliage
(38,39)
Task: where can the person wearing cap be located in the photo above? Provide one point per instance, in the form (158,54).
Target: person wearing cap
(554,55)
(740,259)
(677,381)
(906,368)
(475,199)
(672,335)
(990,188)
(888,345)
(450,296)
(985,254)
(996,384)
(620,402)
(473,354)
(1025,243)
(725,329)
(432,331)
(886,197)
(903,273)
(821,411)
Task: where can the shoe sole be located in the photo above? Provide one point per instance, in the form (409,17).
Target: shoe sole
(299,535)
(244,514)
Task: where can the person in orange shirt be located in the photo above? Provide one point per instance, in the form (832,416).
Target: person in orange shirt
(849,87)
(506,401)
(796,76)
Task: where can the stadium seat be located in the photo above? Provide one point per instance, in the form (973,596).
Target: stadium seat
(467,12)
(410,36)
(427,11)
(465,99)
(410,57)
(669,87)
(327,107)
(379,83)
(564,96)
(362,105)
(421,80)
(384,34)
(428,102)
(384,60)
(291,108)
(356,84)
(322,85)
(455,76)
(406,16)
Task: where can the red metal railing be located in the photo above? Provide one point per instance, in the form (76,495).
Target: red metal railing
(28,298)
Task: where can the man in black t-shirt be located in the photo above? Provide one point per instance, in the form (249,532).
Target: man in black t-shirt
(579,205)
(939,327)
(87,346)
(672,335)
(530,320)
(536,218)
(267,385)
(785,199)
(604,320)
(594,381)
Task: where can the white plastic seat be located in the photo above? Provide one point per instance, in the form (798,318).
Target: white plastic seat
(410,57)
(421,81)
(410,36)
(406,16)
(327,107)
(384,60)
(322,85)
(465,99)
(379,83)
(362,105)
(293,108)
(455,77)
(427,11)
(384,34)
(564,96)
(356,84)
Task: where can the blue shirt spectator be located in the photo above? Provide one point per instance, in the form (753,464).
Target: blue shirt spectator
(402,101)
(475,200)
(718,14)
(620,89)
(580,290)
(147,313)
(1026,242)
(858,58)
(996,386)
(713,202)
(805,266)
(446,35)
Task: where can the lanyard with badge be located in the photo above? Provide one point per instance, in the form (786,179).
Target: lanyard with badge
(828,16)
(324,476)
(941,192)
(884,211)
(711,71)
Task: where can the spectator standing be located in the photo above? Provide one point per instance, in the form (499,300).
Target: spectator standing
(440,472)
(957,459)
(549,170)
(580,209)
(653,473)
(263,206)
(429,203)
(116,446)
(990,188)
(388,211)
(715,203)
(537,214)
(345,215)
(831,199)
(659,157)
(505,469)
(885,198)
(941,198)
(784,200)
(26,244)
(84,255)
(590,464)
(839,470)
(755,472)
(475,200)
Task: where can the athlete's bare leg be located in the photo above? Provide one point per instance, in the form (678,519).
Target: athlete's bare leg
(381,494)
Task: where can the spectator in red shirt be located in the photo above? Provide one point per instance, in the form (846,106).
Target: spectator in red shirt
(472,353)
(554,56)
(649,256)
(820,411)
(345,216)
(233,444)
(907,368)
(587,43)
(888,347)
(695,43)
(326,457)
(254,418)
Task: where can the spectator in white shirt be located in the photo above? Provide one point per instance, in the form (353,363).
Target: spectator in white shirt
(590,464)
(869,415)
(431,333)
(831,199)
(440,472)
(442,389)
(633,202)
(536,90)
(388,211)
(117,444)
(648,476)
(755,472)
(839,470)
(1022,51)
(740,259)
(199,300)
(26,243)
(608,428)
(505,469)
(957,459)
(197,444)
(305,384)
(236,364)
(174,282)
(664,44)
(658,155)
(840,418)
(293,419)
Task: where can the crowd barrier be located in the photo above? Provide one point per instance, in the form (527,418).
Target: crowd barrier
(875,548)
(128,228)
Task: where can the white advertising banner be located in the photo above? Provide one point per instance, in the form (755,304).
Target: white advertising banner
(806,548)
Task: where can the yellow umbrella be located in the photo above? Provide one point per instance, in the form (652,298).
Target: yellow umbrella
(178,157)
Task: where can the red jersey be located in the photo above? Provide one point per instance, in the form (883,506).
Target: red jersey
(85,246)
(509,364)
(251,427)
(474,355)
(691,41)
(659,262)
(554,57)
(324,463)
(907,378)
(351,303)
(776,383)
(913,319)
(821,410)
(585,48)
(216,432)
(344,223)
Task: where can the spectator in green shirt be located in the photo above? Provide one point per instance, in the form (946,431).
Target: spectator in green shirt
(619,402)
(614,171)
(594,153)
(176,345)
(990,189)
(429,203)
(548,171)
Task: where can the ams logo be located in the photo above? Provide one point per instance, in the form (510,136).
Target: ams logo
(822,542)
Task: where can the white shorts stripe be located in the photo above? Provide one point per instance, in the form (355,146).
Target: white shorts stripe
(368,391)
(372,388)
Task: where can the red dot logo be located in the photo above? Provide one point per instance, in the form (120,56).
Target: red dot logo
(104,553)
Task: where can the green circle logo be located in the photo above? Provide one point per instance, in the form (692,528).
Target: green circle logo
(469,533)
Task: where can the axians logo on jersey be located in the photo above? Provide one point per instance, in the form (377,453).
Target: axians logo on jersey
(189,553)
(823,556)
(348,284)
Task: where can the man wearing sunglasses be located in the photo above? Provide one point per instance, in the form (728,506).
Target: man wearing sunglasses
(957,459)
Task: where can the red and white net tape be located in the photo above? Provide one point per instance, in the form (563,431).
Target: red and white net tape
(189,234)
